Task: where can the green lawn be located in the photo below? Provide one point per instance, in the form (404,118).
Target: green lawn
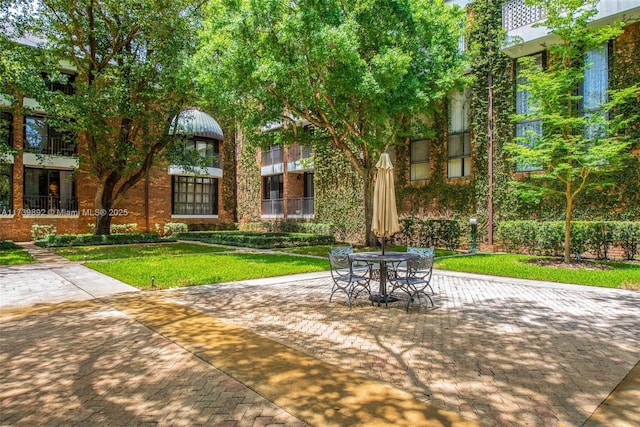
(92,253)
(14,256)
(617,275)
(173,271)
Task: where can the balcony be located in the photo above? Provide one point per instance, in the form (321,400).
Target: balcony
(272,208)
(54,145)
(300,208)
(524,38)
(272,162)
(49,205)
(300,159)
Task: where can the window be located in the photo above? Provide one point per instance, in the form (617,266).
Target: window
(194,196)
(63,83)
(41,138)
(6,128)
(272,195)
(594,87)
(529,129)
(459,143)
(49,190)
(207,149)
(419,160)
(6,189)
(273,187)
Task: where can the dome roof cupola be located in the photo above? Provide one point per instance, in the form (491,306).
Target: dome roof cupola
(193,122)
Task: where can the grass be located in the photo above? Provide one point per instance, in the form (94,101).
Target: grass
(171,271)
(14,256)
(93,253)
(618,275)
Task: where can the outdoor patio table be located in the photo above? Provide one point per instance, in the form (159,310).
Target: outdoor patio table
(382,259)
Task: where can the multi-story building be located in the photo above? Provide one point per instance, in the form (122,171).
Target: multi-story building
(453,173)
(45,183)
(287,183)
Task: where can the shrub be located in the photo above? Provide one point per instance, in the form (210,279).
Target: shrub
(441,233)
(124,228)
(212,226)
(172,228)
(547,238)
(627,235)
(39,232)
(92,239)
(257,239)
(8,245)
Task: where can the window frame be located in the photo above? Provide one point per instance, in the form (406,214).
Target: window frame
(463,134)
(193,207)
(422,162)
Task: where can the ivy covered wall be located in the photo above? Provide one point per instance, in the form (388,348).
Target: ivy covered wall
(338,194)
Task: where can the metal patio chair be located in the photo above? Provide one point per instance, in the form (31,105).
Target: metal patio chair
(414,278)
(347,279)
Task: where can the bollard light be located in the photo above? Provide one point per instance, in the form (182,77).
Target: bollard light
(474,234)
(153,281)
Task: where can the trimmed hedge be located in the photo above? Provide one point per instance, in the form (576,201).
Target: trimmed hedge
(288,227)
(8,245)
(92,239)
(438,233)
(256,239)
(547,238)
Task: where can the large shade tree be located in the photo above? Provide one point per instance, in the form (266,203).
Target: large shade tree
(582,135)
(365,74)
(129,58)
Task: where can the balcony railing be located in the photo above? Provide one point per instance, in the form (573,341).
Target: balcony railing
(300,207)
(55,145)
(516,14)
(49,205)
(298,152)
(273,207)
(272,157)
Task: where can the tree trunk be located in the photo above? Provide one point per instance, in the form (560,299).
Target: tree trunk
(567,225)
(103,203)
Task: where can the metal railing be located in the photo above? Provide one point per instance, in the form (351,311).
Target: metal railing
(55,145)
(516,14)
(272,157)
(300,207)
(297,152)
(49,205)
(273,207)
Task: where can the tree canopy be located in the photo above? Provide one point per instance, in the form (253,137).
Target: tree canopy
(365,74)
(129,60)
(582,133)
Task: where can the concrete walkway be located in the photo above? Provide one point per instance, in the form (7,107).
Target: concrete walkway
(79,348)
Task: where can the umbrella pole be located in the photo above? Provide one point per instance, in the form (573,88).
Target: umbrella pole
(383,241)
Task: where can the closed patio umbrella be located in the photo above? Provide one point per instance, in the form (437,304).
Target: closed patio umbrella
(385,214)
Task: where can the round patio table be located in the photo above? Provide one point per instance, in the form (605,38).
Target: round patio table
(382,259)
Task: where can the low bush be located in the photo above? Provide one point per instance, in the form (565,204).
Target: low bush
(288,227)
(547,238)
(39,232)
(439,233)
(92,239)
(257,239)
(8,245)
(212,226)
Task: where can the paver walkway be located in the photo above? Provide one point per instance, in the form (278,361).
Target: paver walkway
(494,351)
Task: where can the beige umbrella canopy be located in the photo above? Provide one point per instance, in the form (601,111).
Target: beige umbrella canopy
(385,214)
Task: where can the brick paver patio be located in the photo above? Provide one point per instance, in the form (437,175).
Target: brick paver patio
(494,351)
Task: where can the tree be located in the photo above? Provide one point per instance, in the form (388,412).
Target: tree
(364,74)
(582,135)
(130,58)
